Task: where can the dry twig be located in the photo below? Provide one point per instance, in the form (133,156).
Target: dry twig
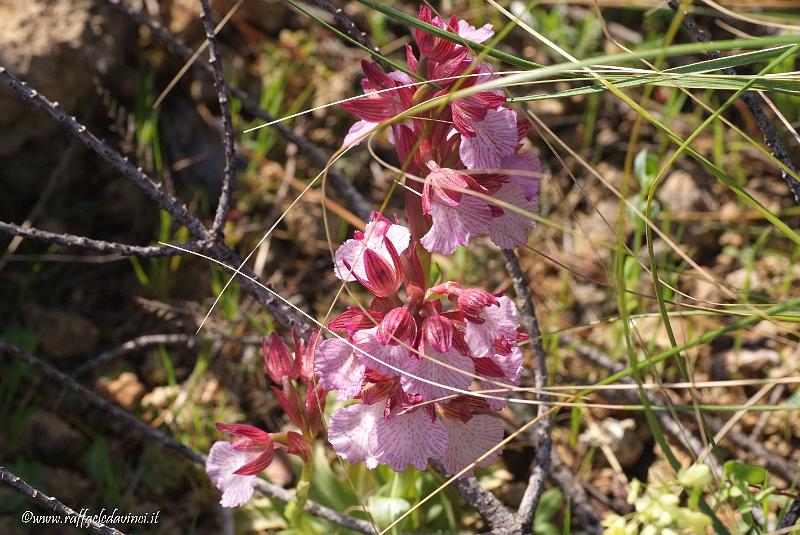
(771,137)
(52,503)
(346,190)
(224,203)
(119,414)
(541,431)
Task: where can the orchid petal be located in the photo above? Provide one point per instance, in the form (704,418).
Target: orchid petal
(352,431)
(222,461)
(500,322)
(495,138)
(410,439)
(435,372)
(338,368)
(469,440)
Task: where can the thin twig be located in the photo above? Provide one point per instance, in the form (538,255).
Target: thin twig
(355,201)
(346,24)
(791,516)
(283,312)
(576,494)
(500,519)
(540,432)
(52,503)
(71,240)
(266,488)
(751,100)
(153,190)
(148,340)
(214,60)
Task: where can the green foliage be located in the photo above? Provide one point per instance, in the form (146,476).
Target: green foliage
(545,520)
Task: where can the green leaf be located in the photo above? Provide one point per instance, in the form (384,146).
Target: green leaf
(385,510)
(549,504)
(738,471)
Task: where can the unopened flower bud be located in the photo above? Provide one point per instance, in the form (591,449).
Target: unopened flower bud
(316,396)
(436,48)
(304,356)
(438,332)
(472,301)
(299,446)
(278,361)
(397,326)
(290,402)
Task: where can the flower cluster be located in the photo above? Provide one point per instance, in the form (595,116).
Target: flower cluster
(478,181)
(411,357)
(233,466)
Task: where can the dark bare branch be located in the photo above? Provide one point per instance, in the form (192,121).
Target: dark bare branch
(791,516)
(152,189)
(52,503)
(346,24)
(353,198)
(148,340)
(499,518)
(169,442)
(541,431)
(282,311)
(223,95)
(751,99)
(71,240)
(576,494)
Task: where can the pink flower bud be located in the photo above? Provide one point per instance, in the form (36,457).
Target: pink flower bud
(414,273)
(436,48)
(383,279)
(472,301)
(438,332)
(397,326)
(354,319)
(299,446)
(290,402)
(316,396)
(278,361)
(304,356)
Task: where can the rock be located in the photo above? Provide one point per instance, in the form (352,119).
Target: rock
(593,231)
(125,390)
(59,47)
(680,192)
(751,362)
(619,435)
(160,397)
(61,335)
(52,439)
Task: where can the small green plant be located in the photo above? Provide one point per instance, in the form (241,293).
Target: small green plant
(662,508)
